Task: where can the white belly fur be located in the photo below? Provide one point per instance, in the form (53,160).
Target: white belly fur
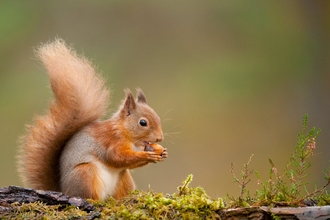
(109,177)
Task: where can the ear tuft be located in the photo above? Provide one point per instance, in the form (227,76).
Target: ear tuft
(129,103)
(140,96)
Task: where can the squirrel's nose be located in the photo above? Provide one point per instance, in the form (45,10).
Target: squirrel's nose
(159,140)
(160,137)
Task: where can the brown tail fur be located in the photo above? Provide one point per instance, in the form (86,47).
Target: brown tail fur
(80,98)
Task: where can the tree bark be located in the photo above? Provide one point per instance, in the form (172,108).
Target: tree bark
(25,195)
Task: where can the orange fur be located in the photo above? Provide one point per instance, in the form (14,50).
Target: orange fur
(81,97)
(88,183)
(116,145)
(124,185)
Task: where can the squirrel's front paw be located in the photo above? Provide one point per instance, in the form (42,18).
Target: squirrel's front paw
(158,149)
(153,157)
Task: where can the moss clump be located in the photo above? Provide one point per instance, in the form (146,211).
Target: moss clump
(187,203)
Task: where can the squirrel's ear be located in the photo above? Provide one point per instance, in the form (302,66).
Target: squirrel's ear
(140,96)
(129,103)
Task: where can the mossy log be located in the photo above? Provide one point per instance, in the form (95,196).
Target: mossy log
(17,195)
(14,194)
(26,195)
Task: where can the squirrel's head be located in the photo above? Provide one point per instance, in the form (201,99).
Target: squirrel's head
(140,121)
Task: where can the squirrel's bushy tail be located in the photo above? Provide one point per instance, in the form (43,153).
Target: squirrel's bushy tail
(80,98)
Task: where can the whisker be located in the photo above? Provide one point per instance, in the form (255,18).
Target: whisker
(166,141)
(169,139)
(173,133)
(167,112)
(174,127)
(167,119)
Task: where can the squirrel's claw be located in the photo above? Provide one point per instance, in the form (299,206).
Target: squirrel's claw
(164,153)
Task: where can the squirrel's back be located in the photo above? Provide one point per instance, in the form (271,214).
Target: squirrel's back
(80,98)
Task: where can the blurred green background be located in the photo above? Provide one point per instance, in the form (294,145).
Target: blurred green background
(228,78)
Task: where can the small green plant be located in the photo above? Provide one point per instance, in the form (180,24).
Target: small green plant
(242,200)
(184,188)
(288,188)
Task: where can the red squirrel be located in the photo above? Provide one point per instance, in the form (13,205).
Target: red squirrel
(69,149)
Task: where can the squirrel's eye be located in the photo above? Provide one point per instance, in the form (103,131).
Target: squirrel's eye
(143,122)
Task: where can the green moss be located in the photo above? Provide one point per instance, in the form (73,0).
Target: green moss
(187,203)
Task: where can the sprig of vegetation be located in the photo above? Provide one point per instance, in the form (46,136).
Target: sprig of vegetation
(242,200)
(286,189)
(184,188)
